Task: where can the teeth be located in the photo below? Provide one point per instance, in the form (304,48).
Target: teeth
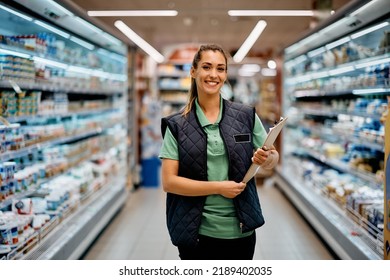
(212,83)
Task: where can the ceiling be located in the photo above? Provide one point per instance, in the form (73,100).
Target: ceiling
(205,21)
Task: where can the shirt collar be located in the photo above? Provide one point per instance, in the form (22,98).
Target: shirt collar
(201,116)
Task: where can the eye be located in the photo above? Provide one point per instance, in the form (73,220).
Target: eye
(206,67)
(221,69)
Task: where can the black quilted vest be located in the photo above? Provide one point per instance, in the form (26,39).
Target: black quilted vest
(184,212)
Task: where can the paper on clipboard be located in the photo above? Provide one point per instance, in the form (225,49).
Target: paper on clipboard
(269,141)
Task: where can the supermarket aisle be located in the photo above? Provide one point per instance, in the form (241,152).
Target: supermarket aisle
(139,231)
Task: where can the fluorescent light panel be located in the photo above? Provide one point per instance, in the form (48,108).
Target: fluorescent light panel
(18,54)
(319,75)
(51,28)
(370,91)
(337,43)
(250,40)
(158,57)
(50,62)
(16,13)
(133,13)
(316,52)
(272,13)
(82,43)
(341,70)
(369,30)
(372,63)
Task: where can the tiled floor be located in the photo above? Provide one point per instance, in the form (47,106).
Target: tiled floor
(139,232)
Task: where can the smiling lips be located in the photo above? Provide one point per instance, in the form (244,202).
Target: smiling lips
(212,83)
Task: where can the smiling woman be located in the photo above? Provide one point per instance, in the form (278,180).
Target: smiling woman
(211,213)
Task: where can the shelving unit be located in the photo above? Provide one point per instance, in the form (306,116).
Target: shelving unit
(63,158)
(336,85)
(173,84)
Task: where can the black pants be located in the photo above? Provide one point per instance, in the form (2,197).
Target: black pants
(210,248)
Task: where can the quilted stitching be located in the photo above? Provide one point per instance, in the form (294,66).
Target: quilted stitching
(184,213)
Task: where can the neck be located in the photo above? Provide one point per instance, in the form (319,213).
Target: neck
(209,103)
(210,107)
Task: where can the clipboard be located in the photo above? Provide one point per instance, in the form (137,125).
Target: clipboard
(269,141)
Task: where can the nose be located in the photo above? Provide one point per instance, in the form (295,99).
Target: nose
(213,72)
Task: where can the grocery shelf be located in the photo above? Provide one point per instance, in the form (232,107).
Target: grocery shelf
(30,149)
(72,236)
(82,90)
(335,91)
(342,235)
(61,115)
(53,87)
(337,164)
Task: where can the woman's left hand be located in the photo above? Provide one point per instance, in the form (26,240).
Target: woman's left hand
(260,155)
(266,158)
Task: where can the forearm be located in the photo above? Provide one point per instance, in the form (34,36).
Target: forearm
(187,187)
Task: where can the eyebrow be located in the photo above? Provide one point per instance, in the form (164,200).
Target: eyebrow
(208,63)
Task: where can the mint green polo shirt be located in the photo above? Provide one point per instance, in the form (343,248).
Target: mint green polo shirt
(219,218)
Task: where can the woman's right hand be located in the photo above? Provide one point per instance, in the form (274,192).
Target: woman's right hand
(231,189)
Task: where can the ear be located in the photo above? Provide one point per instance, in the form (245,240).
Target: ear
(192,72)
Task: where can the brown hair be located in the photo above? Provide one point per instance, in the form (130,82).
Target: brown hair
(193,92)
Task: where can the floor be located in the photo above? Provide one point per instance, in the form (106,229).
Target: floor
(139,232)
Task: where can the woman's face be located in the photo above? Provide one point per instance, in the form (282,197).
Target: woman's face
(211,72)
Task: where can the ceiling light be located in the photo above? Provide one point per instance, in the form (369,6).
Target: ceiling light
(271,64)
(251,67)
(133,13)
(268,72)
(158,57)
(244,73)
(271,13)
(187,21)
(248,43)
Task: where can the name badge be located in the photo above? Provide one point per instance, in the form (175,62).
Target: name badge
(242,138)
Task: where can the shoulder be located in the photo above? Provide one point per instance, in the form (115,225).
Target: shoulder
(171,121)
(240,107)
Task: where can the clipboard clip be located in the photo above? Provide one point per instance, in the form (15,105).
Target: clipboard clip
(276,122)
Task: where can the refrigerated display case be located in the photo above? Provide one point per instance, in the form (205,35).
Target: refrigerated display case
(63,157)
(335,91)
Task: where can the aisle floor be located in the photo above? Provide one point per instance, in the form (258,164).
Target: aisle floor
(139,232)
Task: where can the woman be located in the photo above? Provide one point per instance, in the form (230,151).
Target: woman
(207,149)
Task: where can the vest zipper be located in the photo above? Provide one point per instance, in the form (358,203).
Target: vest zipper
(241,225)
